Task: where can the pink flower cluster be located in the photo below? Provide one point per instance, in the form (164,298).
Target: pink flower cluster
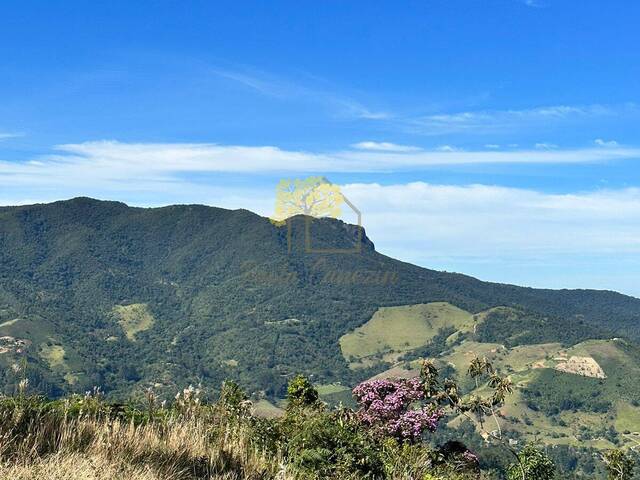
(386,405)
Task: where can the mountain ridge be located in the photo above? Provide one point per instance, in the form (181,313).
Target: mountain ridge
(95,201)
(216,283)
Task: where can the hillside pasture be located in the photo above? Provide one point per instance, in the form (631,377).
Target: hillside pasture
(134,318)
(394,330)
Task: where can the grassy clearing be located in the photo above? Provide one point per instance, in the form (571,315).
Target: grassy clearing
(627,418)
(393,330)
(524,357)
(266,409)
(335,394)
(609,348)
(57,359)
(399,371)
(462,354)
(134,319)
(54,355)
(331,388)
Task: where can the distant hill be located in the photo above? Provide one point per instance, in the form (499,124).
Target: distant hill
(576,393)
(99,293)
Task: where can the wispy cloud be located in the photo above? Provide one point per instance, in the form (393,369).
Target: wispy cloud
(494,121)
(476,122)
(532,3)
(546,146)
(154,165)
(157,172)
(384,147)
(606,143)
(6,135)
(276,87)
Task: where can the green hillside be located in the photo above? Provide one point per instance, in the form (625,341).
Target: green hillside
(572,396)
(394,330)
(194,294)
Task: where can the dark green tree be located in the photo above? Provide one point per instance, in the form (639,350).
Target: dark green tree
(619,465)
(532,464)
(301,393)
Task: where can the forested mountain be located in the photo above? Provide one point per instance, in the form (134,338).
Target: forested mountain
(99,293)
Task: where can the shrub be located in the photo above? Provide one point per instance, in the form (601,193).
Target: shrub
(332,445)
(301,393)
(619,465)
(532,464)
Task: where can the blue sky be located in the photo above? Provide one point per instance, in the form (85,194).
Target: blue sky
(497,138)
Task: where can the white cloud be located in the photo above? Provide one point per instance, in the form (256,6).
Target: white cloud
(154,167)
(6,136)
(384,147)
(512,235)
(602,143)
(492,121)
(474,224)
(447,148)
(492,146)
(546,146)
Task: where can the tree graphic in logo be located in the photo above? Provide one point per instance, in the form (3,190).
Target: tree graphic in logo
(313,197)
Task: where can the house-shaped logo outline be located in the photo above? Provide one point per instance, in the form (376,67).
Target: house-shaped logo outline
(308,240)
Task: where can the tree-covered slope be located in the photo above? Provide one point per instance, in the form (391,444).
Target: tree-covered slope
(105,294)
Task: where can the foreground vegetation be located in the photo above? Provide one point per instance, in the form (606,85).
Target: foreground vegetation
(385,437)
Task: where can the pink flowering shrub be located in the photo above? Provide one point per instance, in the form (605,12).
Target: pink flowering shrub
(393,407)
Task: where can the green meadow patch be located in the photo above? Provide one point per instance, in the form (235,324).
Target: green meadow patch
(54,355)
(627,418)
(335,394)
(394,330)
(134,318)
(266,409)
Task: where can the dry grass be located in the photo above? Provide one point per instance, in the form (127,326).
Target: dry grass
(50,448)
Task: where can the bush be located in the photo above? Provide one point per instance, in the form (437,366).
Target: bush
(619,465)
(301,393)
(533,463)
